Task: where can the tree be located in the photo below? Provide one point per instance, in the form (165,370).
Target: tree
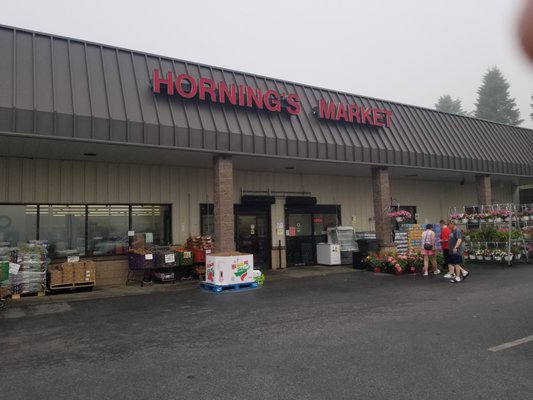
(449,105)
(493,102)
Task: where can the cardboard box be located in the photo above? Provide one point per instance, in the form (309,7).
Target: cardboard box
(56,276)
(229,268)
(68,272)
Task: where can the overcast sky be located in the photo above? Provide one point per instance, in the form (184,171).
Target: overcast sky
(410,51)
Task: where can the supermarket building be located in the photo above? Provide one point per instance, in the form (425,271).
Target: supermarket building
(96,141)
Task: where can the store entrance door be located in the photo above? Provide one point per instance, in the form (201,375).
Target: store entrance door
(253,234)
(307,226)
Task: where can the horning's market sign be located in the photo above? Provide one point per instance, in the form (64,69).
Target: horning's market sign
(206,89)
(353,113)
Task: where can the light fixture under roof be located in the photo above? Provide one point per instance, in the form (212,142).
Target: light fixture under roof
(289,167)
(411,175)
(89,154)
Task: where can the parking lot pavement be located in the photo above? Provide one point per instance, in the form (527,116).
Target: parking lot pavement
(340,335)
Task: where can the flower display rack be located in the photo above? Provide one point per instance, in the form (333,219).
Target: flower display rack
(496,232)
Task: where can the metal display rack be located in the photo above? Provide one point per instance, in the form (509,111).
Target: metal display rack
(510,218)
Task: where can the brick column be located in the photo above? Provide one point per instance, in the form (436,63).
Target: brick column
(484,189)
(382,199)
(223,204)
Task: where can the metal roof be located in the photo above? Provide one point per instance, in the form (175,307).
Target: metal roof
(68,88)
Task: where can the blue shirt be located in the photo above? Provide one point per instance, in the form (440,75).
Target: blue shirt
(454,237)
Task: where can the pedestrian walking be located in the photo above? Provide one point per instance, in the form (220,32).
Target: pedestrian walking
(456,246)
(444,239)
(428,251)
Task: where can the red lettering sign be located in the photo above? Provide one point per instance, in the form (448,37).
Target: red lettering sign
(219,92)
(353,113)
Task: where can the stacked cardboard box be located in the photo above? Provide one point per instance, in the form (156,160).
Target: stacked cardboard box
(85,272)
(72,273)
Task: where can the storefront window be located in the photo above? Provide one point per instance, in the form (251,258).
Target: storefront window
(18,224)
(84,230)
(107,230)
(153,222)
(63,226)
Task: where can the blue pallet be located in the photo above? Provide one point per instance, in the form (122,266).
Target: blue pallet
(228,288)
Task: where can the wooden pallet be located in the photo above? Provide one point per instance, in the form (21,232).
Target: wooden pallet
(74,285)
(229,288)
(18,296)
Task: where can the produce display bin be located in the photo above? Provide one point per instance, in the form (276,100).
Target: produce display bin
(140,261)
(184,258)
(164,259)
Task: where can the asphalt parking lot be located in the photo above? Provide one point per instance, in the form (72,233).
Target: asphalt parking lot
(303,335)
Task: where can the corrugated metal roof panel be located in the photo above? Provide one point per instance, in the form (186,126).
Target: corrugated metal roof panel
(51,85)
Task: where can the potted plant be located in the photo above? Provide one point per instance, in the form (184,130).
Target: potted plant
(374,261)
(479,254)
(516,251)
(487,255)
(508,256)
(498,254)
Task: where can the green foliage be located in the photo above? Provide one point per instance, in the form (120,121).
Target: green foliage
(449,105)
(494,102)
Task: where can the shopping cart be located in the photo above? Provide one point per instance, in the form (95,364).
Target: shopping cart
(140,263)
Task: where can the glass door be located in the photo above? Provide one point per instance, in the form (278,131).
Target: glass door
(252,234)
(306,227)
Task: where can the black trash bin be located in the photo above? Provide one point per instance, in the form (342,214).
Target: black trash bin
(357,260)
(367,246)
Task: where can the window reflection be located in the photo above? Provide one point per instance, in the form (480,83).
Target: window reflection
(63,226)
(107,229)
(18,224)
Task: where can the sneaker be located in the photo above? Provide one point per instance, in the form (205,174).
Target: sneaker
(436,272)
(425,274)
(456,280)
(465,274)
(448,275)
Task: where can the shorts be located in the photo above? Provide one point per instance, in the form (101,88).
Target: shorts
(446,254)
(456,259)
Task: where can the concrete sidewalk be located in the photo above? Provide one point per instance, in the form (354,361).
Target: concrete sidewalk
(105,292)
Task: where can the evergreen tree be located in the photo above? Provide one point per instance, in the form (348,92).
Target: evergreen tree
(449,105)
(493,102)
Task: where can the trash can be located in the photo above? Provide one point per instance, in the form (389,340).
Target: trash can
(367,246)
(357,260)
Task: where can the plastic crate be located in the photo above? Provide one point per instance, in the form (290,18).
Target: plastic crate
(140,261)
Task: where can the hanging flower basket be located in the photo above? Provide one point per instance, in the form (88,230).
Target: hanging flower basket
(472,256)
(479,257)
(487,258)
(490,220)
(509,258)
(498,219)
(525,218)
(400,215)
